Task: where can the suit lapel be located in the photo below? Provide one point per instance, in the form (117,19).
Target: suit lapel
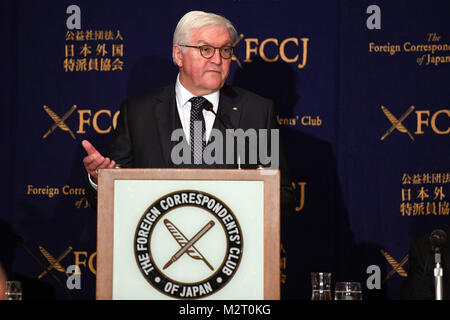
(228,109)
(167,120)
(230,113)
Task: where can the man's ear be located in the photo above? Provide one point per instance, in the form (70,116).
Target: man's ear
(178,55)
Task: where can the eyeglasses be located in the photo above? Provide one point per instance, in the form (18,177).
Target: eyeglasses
(208,51)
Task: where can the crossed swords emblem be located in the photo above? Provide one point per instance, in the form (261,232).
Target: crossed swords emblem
(59,121)
(234,58)
(396,267)
(396,123)
(54,263)
(187,246)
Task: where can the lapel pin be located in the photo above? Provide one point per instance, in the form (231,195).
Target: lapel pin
(235,108)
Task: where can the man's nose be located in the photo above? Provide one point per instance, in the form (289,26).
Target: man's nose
(216,58)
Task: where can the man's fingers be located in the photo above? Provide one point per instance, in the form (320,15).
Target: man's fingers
(98,162)
(95,164)
(95,161)
(92,157)
(112,164)
(105,164)
(88,147)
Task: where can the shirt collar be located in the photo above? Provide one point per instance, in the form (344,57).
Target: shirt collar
(183,95)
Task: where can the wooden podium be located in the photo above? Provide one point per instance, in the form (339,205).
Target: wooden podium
(188,234)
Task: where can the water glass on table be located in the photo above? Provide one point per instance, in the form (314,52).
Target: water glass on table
(321,282)
(348,291)
(13,290)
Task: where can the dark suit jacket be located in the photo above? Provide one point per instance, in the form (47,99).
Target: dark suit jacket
(142,138)
(419,284)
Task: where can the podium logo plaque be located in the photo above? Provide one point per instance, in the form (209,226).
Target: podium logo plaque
(207,244)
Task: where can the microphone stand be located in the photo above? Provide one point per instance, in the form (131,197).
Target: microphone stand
(19,242)
(438,275)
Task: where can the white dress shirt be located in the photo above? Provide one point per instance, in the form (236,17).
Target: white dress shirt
(184,111)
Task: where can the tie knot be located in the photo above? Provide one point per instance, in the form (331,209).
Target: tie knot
(197,103)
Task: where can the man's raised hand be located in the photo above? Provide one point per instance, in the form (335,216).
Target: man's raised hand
(95,161)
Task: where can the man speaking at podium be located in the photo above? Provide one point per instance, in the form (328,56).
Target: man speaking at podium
(202,49)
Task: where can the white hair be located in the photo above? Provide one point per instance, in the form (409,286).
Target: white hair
(198,19)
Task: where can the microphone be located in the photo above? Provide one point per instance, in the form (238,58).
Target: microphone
(209,107)
(438,238)
(20,243)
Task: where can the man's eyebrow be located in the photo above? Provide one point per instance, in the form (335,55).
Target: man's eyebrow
(203,42)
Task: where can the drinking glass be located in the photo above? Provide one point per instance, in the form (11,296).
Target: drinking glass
(321,285)
(13,290)
(348,291)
